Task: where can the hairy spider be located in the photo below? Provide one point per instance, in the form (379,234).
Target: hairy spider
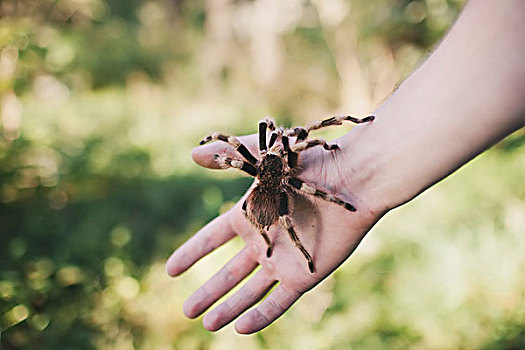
(268,202)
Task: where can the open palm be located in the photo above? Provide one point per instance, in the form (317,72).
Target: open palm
(329,233)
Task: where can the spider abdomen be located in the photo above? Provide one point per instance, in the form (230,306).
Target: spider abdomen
(264,206)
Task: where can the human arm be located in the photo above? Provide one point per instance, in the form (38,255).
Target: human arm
(469,94)
(466,96)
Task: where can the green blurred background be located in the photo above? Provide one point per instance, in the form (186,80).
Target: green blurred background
(101,103)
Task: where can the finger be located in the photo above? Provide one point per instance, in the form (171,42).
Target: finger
(214,234)
(222,282)
(204,155)
(245,297)
(268,311)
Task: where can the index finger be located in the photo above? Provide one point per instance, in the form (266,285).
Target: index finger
(213,235)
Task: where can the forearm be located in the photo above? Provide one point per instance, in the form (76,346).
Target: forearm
(469,94)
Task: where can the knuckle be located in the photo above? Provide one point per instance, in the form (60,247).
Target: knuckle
(274,307)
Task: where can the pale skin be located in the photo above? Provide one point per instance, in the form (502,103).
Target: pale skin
(469,94)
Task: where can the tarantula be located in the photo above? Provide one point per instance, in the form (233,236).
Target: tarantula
(276,171)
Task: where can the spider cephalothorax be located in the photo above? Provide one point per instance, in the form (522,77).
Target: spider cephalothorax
(268,202)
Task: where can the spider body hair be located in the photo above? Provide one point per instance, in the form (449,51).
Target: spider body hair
(261,209)
(266,194)
(269,202)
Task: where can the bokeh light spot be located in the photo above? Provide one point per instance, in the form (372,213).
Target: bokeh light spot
(128,287)
(120,236)
(113,267)
(70,275)
(39,322)
(7,290)
(16,315)
(17,248)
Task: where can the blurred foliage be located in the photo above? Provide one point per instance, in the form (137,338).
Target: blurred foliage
(100,105)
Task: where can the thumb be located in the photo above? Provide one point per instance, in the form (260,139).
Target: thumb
(204,155)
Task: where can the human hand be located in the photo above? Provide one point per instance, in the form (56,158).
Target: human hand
(329,232)
(417,139)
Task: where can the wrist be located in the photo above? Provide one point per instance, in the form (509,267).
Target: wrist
(374,170)
(448,111)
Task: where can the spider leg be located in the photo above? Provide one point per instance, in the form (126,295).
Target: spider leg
(284,220)
(278,132)
(337,120)
(232,140)
(261,230)
(226,162)
(302,133)
(292,156)
(270,122)
(301,146)
(273,138)
(269,250)
(311,190)
(263,125)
